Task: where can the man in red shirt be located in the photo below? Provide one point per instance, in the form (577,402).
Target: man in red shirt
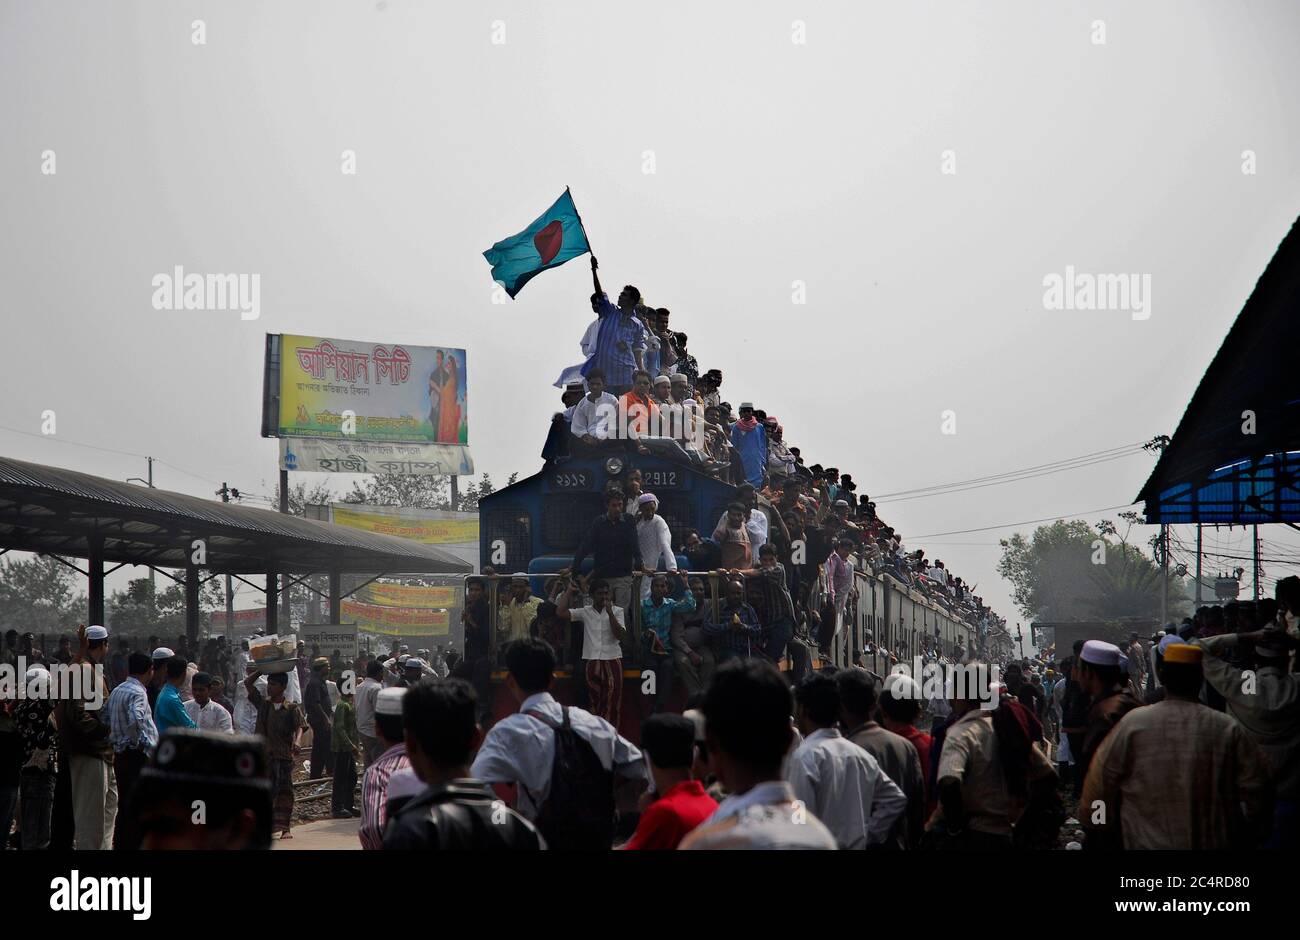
(900,703)
(668,742)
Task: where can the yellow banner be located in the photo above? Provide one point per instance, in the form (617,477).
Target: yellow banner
(418,525)
(406,595)
(397,621)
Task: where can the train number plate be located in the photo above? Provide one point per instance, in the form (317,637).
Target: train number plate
(652,480)
(571,479)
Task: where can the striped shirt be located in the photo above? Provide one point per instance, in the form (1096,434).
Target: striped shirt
(374,795)
(617,364)
(129,719)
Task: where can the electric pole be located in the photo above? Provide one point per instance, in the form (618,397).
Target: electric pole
(153,585)
(1255,577)
(1158,444)
(225,493)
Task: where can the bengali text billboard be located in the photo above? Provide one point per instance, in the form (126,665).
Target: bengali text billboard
(396,393)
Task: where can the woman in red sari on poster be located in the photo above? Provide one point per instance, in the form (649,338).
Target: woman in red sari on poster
(449,418)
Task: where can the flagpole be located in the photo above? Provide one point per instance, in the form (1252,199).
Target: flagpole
(590,250)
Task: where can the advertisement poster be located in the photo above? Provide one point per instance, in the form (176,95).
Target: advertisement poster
(347,390)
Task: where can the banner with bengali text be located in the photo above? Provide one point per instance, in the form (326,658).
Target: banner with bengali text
(395,392)
(325,456)
(430,526)
(409,595)
(397,621)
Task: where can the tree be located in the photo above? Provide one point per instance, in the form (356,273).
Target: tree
(39,595)
(141,610)
(420,492)
(1071,571)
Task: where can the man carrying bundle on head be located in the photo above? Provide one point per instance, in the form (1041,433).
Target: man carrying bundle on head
(279,724)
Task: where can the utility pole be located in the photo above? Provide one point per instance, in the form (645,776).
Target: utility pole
(1255,577)
(225,493)
(1159,443)
(286,609)
(1198,567)
(153,584)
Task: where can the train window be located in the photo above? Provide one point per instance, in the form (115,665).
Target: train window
(566,517)
(676,510)
(514,528)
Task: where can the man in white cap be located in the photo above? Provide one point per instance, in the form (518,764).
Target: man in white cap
(84,739)
(374,785)
(158,678)
(662,387)
(655,540)
(1103,676)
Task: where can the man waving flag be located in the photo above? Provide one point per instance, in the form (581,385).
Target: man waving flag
(555,237)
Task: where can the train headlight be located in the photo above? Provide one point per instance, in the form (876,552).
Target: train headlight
(614,466)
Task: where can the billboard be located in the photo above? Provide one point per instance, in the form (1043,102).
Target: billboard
(324,456)
(396,393)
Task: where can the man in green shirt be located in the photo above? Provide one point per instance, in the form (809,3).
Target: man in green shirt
(345,743)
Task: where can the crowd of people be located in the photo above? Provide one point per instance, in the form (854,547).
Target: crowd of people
(1189,741)
(640,390)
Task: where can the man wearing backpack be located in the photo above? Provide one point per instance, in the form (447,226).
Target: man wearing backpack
(565,761)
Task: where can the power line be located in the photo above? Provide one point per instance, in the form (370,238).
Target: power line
(1053,466)
(1013,479)
(108,450)
(1008,525)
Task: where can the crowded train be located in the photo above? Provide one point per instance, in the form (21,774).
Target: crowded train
(683,636)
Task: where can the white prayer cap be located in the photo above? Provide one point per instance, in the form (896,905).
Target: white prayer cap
(415,662)
(680,378)
(1166,641)
(697,718)
(1100,653)
(519,576)
(662,378)
(902,686)
(162,652)
(389,701)
(96,633)
(647,498)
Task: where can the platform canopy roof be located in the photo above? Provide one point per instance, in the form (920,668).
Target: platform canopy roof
(1235,456)
(53,511)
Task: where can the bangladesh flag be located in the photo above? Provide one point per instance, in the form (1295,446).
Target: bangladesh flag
(554,238)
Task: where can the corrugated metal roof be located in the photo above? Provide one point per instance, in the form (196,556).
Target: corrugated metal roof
(77,506)
(1251,373)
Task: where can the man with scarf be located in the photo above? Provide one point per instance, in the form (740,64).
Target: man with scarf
(750,442)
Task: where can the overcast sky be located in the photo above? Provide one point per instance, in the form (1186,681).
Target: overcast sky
(774,162)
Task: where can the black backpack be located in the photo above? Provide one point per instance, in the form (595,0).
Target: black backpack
(579,811)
